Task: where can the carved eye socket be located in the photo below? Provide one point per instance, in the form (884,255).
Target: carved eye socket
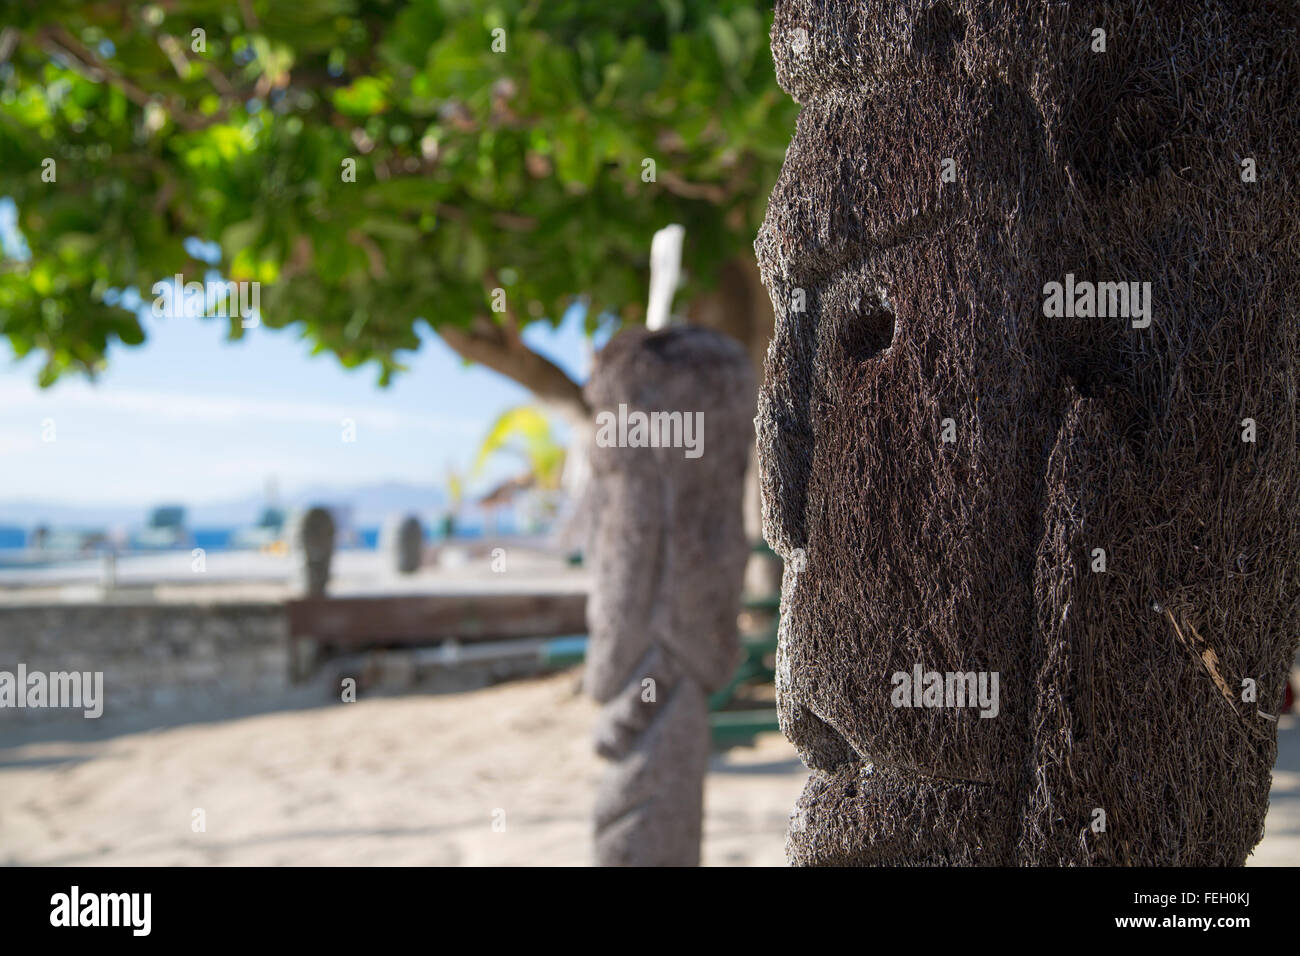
(936,30)
(866,331)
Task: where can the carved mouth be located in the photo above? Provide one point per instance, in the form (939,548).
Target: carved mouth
(825,749)
(860,810)
(866,814)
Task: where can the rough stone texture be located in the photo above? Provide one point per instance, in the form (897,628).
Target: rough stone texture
(667,557)
(402,541)
(316,548)
(1119,691)
(152,655)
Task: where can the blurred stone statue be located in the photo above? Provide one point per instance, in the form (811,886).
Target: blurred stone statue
(401,541)
(673,428)
(1028,427)
(315,546)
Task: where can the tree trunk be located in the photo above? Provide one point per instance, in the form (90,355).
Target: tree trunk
(741,308)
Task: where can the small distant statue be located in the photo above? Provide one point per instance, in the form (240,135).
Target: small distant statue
(316,547)
(402,543)
(674,425)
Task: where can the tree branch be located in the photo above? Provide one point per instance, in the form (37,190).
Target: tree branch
(56,39)
(8,42)
(492,345)
(710,192)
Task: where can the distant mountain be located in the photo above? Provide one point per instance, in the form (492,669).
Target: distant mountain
(371,504)
(25,513)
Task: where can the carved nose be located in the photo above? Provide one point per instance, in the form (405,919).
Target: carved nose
(783,423)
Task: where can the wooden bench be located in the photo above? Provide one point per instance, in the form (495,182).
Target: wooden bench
(318,625)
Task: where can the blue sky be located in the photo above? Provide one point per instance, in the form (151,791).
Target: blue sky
(189,416)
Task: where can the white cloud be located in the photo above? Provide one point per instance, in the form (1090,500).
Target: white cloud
(15,440)
(217,409)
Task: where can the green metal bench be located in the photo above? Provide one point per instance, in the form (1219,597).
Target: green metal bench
(730,728)
(736,728)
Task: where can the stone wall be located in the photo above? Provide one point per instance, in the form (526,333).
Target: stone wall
(152,655)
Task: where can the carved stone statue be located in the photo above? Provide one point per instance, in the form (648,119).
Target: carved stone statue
(402,542)
(316,550)
(1028,431)
(674,425)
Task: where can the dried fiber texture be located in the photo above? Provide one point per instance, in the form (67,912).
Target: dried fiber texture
(1121,691)
(667,555)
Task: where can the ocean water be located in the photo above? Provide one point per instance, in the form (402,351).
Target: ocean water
(218,539)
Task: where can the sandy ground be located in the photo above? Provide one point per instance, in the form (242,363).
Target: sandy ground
(400,780)
(407,780)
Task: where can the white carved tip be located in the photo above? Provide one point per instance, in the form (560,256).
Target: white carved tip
(665,273)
